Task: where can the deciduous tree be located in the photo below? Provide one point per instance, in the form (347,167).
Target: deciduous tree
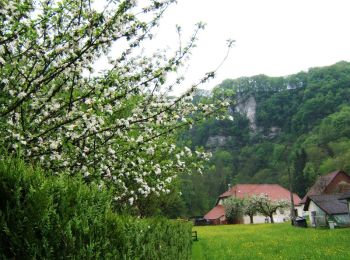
(250,208)
(114,127)
(234,209)
(268,207)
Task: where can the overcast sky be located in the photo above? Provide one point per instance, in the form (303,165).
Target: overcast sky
(273,37)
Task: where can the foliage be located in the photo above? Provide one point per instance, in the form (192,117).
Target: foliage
(234,209)
(267,207)
(250,208)
(327,88)
(194,196)
(61,217)
(266,241)
(300,181)
(115,127)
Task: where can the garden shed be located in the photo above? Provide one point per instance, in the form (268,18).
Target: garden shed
(326,208)
(216,216)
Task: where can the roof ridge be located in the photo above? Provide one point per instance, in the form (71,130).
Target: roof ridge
(318,188)
(256,184)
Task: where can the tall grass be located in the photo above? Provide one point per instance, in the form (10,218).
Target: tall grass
(270,241)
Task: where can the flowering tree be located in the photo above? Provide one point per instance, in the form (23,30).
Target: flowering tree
(268,207)
(115,127)
(250,208)
(234,209)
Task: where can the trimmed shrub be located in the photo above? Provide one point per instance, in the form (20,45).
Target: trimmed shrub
(62,217)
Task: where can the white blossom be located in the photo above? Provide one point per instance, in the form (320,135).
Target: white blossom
(150,150)
(117,125)
(157,170)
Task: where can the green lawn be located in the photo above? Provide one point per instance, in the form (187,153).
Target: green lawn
(270,241)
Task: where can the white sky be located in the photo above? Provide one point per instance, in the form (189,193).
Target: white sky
(273,37)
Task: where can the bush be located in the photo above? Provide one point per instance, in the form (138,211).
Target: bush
(61,216)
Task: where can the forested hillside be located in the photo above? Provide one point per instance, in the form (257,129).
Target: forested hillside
(299,123)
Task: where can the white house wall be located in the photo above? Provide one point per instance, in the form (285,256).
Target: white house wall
(300,210)
(278,218)
(314,207)
(319,212)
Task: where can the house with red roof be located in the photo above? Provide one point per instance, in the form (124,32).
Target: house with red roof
(273,191)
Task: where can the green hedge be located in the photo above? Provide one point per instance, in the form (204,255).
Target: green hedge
(62,217)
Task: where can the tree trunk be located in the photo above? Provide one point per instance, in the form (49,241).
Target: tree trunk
(292,208)
(230,220)
(251,219)
(271,219)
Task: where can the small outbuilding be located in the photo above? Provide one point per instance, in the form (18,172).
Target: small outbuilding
(327,208)
(216,215)
(332,183)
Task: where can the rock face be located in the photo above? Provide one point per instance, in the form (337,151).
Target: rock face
(274,131)
(217,140)
(247,107)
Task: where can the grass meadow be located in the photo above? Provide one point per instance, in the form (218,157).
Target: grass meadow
(270,241)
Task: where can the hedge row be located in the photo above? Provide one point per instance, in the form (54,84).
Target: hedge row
(62,217)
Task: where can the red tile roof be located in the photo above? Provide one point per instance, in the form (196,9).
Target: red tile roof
(321,184)
(273,191)
(215,213)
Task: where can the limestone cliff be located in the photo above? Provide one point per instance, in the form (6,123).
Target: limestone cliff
(247,107)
